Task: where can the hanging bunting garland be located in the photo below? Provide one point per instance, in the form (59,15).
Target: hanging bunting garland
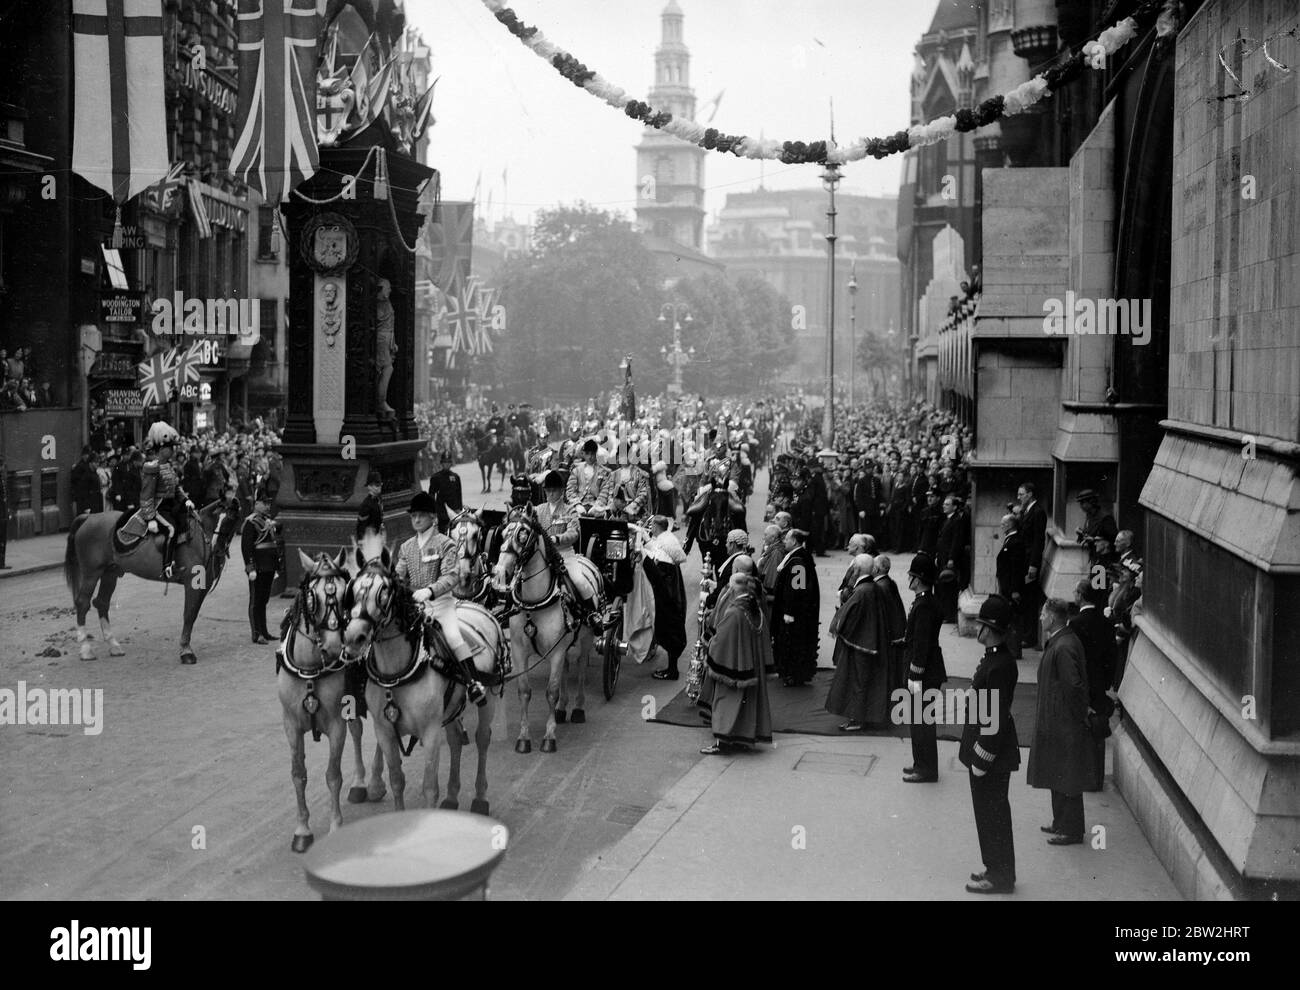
(1024,96)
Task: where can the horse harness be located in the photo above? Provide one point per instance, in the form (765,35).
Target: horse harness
(333,621)
(559,589)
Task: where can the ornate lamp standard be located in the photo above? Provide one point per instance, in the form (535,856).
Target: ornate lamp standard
(676,357)
(830,179)
(853,331)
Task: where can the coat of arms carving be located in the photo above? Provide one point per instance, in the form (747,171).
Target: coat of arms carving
(329,244)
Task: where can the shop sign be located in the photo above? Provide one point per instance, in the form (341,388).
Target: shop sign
(122,403)
(120,307)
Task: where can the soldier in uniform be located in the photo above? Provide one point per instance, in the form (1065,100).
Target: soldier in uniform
(626,490)
(427,563)
(162,499)
(586,479)
(444,487)
(925,669)
(992,752)
(571,448)
(262,546)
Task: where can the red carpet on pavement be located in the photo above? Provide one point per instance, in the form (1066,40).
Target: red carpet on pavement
(802,710)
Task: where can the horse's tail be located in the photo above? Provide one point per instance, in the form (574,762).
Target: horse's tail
(71,567)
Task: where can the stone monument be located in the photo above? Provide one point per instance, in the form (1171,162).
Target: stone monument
(351,318)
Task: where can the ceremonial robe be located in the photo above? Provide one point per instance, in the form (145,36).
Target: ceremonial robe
(799,597)
(737,668)
(859,691)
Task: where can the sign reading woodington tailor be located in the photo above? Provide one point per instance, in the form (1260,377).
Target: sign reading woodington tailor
(182,315)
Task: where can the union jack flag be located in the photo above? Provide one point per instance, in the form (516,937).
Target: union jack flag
(156,376)
(187,364)
(276,118)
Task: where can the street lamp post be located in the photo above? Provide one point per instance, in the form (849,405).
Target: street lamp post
(676,357)
(853,333)
(830,179)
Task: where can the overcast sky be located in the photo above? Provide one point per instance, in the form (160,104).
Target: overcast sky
(500,107)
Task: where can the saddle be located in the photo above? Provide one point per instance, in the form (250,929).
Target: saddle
(131,533)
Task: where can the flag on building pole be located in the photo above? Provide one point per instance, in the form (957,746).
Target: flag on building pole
(187,364)
(157,375)
(119,139)
(276,117)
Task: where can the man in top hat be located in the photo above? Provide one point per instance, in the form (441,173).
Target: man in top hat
(1098,531)
(444,488)
(925,667)
(586,479)
(427,563)
(991,751)
(370,517)
(262,546)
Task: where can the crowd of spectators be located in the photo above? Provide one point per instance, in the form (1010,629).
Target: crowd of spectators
(20,390)
(211,464)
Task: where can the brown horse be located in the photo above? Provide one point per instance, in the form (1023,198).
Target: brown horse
(93,559)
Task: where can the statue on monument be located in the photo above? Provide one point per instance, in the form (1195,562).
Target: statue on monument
(331,312)
(385,345)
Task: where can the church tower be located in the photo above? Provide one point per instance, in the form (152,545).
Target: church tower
(670,172)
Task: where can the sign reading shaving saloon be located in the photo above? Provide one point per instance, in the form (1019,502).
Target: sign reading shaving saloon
(122,402)
(119,307)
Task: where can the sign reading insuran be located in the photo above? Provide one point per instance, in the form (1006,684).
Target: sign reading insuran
(193,316)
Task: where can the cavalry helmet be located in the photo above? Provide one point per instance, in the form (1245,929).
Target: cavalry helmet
(161,434)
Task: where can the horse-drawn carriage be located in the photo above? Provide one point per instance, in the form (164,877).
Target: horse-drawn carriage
(613,545)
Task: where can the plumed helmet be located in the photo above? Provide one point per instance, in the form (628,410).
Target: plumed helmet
(995,613)
(161,434)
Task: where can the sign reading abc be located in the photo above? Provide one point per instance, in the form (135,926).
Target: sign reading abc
(196,392)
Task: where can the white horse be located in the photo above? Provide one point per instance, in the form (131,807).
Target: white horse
(310,681)
(545,623)
(408,692)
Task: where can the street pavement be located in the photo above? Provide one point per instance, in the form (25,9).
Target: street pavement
(186,793)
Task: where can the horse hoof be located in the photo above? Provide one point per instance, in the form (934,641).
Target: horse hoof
(464,738)
(579,716)
(449,804)
(116,651)
(559,716)
(548,745)
(523,745)
(301,843)
(357,795)
(478,806)
(376,795)
(189,658)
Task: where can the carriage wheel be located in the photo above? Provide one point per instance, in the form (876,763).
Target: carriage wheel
(613,662)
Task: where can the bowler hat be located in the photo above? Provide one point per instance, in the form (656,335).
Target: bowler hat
(1086,495)
(922,567)
(995,613)
(423,502)
(553,479)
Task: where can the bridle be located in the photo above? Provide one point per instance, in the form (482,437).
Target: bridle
(383,617)
(520,541)
(311,621)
